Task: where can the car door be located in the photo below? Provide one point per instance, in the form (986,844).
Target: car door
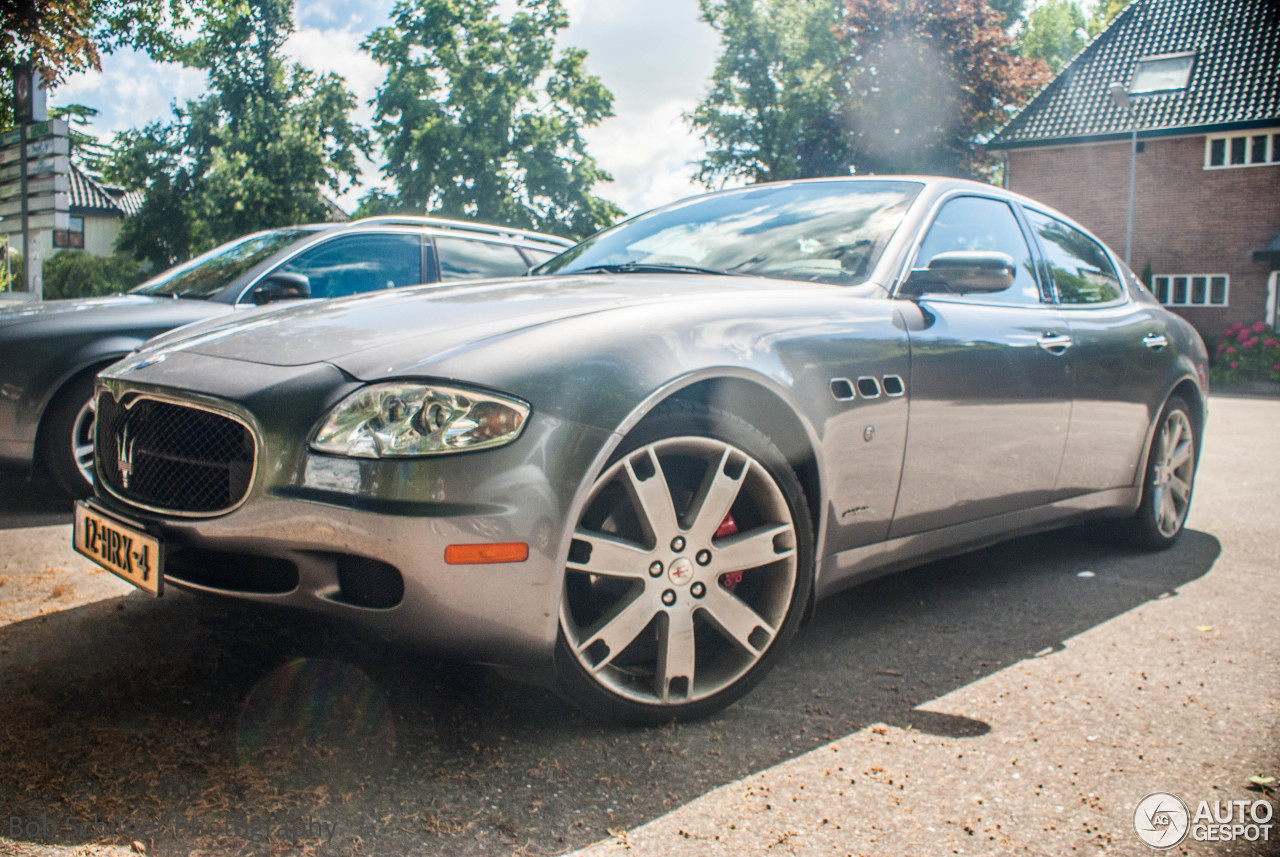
(359,262)
(990,381)
(1120,349)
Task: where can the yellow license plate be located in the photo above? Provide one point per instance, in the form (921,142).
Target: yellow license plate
(120,548)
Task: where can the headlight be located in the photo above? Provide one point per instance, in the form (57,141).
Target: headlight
(405,419)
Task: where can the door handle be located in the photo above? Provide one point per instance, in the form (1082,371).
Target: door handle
(1055,343)
(1155,341)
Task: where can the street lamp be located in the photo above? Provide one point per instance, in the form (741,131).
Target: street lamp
(1120,96)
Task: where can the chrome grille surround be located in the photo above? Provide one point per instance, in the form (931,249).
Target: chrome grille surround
(174,456)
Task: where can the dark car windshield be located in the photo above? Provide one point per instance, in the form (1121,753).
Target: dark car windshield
(206,275)
(821,231)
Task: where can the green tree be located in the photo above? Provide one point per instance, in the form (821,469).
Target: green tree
(255,152)
(76,274)
(1010,11)
(926,81)
(482,118)
(772,109)
(1055,31)
(1104,13)
(63,36)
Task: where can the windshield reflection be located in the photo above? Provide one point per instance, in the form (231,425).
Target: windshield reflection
(817,231)
(206,275)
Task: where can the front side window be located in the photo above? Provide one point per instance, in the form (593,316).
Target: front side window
(355,264)
(1082,272)
(466,259)
(980,223)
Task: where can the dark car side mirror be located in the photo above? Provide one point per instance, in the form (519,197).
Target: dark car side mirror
(281,287)
(962,272)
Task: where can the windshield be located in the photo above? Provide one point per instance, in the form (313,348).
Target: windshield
(206,275)
(820,231)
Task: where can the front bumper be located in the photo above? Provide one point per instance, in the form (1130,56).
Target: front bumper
(313,525)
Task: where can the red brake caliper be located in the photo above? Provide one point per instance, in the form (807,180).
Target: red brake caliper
(728,527)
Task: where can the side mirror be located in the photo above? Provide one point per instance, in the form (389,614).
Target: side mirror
(961,272)
(281,287)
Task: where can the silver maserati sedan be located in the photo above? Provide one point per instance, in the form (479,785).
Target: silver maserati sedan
(633,473)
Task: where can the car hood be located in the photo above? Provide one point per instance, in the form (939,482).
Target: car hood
(110,312)
(377,334)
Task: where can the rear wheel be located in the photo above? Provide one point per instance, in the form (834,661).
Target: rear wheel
(1168,482)
(66,437)
(689,570)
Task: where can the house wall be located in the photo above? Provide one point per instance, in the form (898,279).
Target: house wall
(100,235)
(1186,219)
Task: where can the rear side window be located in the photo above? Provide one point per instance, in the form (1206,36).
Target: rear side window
(354,264)
(465,259)
(1081,270)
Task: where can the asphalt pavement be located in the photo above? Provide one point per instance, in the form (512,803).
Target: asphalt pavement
(1022,699)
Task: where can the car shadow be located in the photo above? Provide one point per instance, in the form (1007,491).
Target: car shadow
(28,502)
(244,730)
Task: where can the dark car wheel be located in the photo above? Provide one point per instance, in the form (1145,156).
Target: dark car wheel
(66,437)
(1168,483)
(688,573)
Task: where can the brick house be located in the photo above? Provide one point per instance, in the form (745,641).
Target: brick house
(1200,81)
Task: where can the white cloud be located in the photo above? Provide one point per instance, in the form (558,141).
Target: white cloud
(130,91)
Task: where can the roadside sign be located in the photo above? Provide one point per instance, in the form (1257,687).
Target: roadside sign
(60,220)
(36,185)
(49,147)
(44,166)
(36,203)
(36,131)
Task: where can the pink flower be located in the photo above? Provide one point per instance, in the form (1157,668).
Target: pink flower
(1234,327)
(1221,348)
(1258,326)
(1249,343)
(1276,368)
(1270,343)
(1244,334)
(1231,351)
(1234,364)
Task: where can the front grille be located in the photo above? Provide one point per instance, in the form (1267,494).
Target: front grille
(171,457)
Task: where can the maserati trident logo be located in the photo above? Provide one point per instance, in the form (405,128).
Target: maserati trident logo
(124,455)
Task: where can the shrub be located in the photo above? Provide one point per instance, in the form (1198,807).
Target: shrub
(1245,353)
(76,274)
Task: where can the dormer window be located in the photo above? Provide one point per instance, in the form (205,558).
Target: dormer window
(1163,73)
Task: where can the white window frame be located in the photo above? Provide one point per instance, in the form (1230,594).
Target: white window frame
(1208,290)
(1271,155)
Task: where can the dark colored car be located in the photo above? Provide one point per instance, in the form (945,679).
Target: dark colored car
(51,351)
(634,474)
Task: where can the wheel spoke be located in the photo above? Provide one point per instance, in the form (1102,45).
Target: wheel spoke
(1168,512)
(714,499)
(676,654)
(611,557)
(751,549)
(1181,455)
(1173,436)
(618,629)
(1179,488)
(84,453)
(652,497)
(736,619)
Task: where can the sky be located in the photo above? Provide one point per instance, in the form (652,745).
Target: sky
(656,56)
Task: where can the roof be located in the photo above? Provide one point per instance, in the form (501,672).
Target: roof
(1234,83)
(92,198)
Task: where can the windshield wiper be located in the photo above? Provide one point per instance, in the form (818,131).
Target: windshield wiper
(650,268)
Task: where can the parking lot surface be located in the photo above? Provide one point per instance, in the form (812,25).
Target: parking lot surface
(1018,700)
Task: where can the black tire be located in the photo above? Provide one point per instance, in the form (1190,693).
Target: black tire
(672,608)
(64,433)
(1169,480)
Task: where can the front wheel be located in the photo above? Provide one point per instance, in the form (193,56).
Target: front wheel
(66,437)
(1167,484)
(689,570)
